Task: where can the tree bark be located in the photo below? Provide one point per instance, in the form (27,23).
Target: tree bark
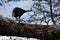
(42,32)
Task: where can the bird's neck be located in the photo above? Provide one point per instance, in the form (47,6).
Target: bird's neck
(29,10)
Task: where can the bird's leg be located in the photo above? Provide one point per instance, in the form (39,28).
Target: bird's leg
(19,19)
(16,18)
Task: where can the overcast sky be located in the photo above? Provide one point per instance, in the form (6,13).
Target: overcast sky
(6,9)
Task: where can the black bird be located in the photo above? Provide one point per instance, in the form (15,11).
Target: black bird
(18,12)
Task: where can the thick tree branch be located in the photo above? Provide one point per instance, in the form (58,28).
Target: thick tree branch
(11,28)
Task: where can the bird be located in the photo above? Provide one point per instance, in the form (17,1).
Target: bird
(18,12)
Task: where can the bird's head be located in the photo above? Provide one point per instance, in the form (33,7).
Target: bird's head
(29,10)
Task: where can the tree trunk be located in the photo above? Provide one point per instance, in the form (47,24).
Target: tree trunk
(52,13)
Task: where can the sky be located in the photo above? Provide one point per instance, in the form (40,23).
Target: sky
(6,9)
